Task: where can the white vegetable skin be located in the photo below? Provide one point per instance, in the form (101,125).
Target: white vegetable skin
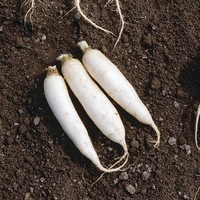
(116,85)
(57,96)
(96,104)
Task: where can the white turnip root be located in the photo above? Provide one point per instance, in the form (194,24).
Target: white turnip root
(116,85)
(57,96)
(96,104)
(196,127)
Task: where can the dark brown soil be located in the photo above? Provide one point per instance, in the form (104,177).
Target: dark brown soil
(159,55)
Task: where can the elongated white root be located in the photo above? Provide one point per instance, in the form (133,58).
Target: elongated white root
(196,127)
(30,11)
(77,4)
(121,20)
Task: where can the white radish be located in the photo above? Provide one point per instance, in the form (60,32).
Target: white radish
(96,104)
(57,96)
(196,127)
(116,85)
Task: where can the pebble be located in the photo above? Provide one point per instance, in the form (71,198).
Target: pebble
(31,189)
(116,181)
(145,175)
(176,104)
(155,83)
(159,173)
(186,148)
(19,42)
(1,28)
(42,179)
(22,128)
(36,121)
(26,122)
(135,144)
(125,38)
(29,159)
(28,135)
(20,111)
(123,176)
(130,189)
(172,141)
(27,196)
(180,93)
(144,191)
(77,16)
(110,148)
(104,49)
(44,37)
(147,41)
(16,124)
(185,196)
(60,12)
(10,140)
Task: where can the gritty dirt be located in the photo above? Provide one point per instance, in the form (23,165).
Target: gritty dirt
(158,54)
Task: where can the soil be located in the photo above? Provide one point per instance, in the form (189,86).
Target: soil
(158,54)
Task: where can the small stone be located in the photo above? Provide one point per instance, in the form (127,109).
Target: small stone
(16,124)
(125,38)
(1,28)
(104,49)
(144,191)
(20,111)
(29,160)
(19,42)
(110,148)
(27,135)
(147,41)
(44,37)
(130,189)
(116,181)
(158,173)
(172,141)
(153,187)
(22,128)
(176,104)
(27,122)
(36,121)
(180,93)
(27,196)
(31,189)
(42,179)
(123,176)
(186,148)
(145,175)
(77,16)
(60,12)
(135,144)
(185,196)
(37,40)
(10,140)
(155,83)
